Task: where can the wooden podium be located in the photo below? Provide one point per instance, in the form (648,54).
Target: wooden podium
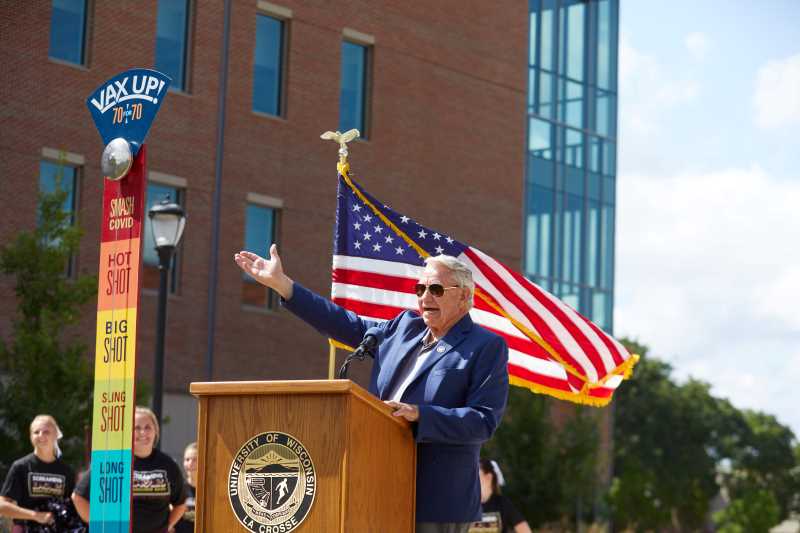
(362,459)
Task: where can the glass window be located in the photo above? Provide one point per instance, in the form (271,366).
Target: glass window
(540,138)
(546,55)
(570,102)
(172,34)
(68,31)
(572,218)
(609,191)
(601,310)
(607,247)
(593,237)
(352,102)
(546,94)
(268,65)
(154,194)
(609,155)
(573,148)
(541,172)
(603,44)
(259,234)
(54,176)
(594,153)
(569,295)
(532,42)
(574,40)
(538,237)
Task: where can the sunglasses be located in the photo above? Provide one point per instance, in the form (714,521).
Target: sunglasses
(436,289)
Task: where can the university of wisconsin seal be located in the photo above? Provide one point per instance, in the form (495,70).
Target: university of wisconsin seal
(272,483)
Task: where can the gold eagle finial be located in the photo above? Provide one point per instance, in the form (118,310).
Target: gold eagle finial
(342,139)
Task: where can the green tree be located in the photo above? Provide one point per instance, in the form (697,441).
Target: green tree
(755,511)
(44,368)
(765,461)
(551,472)
(667,448)
(524,446)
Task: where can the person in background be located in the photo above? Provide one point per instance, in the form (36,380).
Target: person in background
(157,488)
(186,523)
(499,514)
(37,479)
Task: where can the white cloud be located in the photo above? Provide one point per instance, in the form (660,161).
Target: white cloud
(777,93)
(649,97)
(708,277)
(698,45)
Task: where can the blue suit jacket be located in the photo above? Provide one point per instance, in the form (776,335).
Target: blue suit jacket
(461,391)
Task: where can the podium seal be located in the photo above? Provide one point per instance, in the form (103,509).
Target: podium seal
(272,483)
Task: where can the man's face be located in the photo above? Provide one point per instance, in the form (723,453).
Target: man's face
(440,313)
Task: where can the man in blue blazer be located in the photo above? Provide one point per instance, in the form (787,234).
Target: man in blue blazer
(438,370)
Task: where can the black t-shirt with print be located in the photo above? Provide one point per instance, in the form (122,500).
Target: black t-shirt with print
(157,483)
(186,523)
(31,482)
(498,516)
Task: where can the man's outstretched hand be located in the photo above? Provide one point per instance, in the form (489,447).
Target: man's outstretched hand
(268,272)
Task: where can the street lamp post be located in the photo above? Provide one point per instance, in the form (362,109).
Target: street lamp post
(167,220)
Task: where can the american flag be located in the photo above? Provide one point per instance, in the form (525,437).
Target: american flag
(379,255)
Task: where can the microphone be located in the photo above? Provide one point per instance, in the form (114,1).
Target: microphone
(372,338)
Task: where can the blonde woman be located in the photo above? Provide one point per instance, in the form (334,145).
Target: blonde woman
(186,523)
(36,479)
(158,489)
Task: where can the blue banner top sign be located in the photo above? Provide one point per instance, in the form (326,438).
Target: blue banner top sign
(126,105)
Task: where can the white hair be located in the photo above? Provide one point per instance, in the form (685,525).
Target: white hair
(462,275)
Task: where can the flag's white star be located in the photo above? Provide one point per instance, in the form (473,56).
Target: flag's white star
(367,236)
(378,229)
(399,250)
(422,234)
(357,245)
(376,247)
(404,219)
(449,240)
(367,217)
(388,239)
(439,249)
(356,207)
(357,225)
(436,237)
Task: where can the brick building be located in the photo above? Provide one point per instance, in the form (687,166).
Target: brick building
(440,93)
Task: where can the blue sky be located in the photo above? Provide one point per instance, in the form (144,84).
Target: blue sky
(708,225)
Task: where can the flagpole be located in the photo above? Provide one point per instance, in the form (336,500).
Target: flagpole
(331,361)
(342,167)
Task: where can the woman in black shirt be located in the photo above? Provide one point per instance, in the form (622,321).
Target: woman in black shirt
(157,488)
(38,479)
(498,513)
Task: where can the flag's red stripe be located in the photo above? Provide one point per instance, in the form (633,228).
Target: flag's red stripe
(368,309)
(541,326)
(373,280)
(521,345)
(547,381)
(584,344)
(593,354)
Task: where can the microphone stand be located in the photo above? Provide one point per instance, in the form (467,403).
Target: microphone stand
(359,354)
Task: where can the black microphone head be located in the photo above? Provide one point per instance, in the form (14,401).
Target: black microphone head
(373,337)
